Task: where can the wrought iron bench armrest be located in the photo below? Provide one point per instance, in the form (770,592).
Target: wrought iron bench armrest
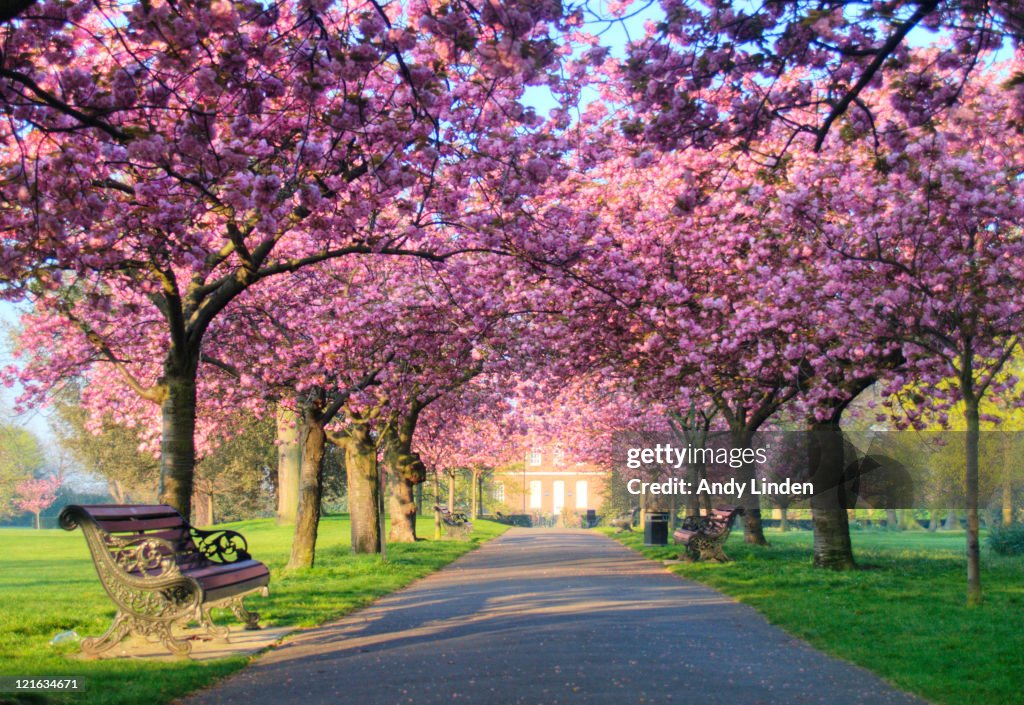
(221,545)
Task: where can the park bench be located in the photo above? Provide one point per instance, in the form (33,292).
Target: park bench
(625,521)
(456,524)
(161,572)
(703,536)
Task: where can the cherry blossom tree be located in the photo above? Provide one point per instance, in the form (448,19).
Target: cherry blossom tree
(936,213)
(166,158)
(703,250)
(403,335)
(36,495)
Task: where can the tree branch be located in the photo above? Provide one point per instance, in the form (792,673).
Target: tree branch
(59,105)
(894,40)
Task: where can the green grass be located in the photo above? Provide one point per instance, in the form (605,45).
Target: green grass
(48,585)
(904,617)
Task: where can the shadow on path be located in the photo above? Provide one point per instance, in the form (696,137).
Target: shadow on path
(547,617)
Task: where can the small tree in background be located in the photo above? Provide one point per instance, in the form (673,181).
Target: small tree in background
(36,495)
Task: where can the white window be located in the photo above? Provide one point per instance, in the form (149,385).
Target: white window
(559,500)
(559,456)
(498,492)
(581,494)
(535,494)
(533,458)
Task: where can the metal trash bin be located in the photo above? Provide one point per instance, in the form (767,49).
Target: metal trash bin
(656,529)
(591,518)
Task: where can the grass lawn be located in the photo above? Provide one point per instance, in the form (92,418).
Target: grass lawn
(904,618)
(48,585)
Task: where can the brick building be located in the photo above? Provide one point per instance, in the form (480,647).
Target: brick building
(546,483)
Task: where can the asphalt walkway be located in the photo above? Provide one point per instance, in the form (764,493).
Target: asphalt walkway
(546,617)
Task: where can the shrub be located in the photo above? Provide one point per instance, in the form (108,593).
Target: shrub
(1007,540)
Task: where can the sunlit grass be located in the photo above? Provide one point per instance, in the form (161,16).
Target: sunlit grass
(904,616)
(48,585)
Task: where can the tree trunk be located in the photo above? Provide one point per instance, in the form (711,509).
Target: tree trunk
(692,500)
(289,464)
(784,518)
(408,474)
(826,460)
(971,479)
(403,510)
(705,498)
(643,509)
(204,508)
(437,503)
(177,439)
(892,522)
(363,489)
(307,517)
(474,498)
(952,522)
(117,492)
(673,508)
(451,491)
(753,531)
(37,520)
(1007,497)
(382,482)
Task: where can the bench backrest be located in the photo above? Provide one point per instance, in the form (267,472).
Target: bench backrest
(720,521)
(724,514)
(456,519)
(109,526)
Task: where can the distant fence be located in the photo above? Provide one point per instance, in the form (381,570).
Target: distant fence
(29,522)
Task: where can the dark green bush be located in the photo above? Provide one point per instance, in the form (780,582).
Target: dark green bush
(1007,540)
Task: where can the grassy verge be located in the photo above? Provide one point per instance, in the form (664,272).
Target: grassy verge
(48,585)
(904,618)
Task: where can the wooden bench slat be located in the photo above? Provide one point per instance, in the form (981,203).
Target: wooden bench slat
(218,568)
(136,525)
(121,511)
(218,582)
(228,574)
(173,535)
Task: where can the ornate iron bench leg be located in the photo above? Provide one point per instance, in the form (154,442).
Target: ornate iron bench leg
(718,554)
(211,628)
(118,630)
(250,619)
(162,631)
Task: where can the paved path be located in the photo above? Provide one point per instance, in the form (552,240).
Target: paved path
(549,617)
